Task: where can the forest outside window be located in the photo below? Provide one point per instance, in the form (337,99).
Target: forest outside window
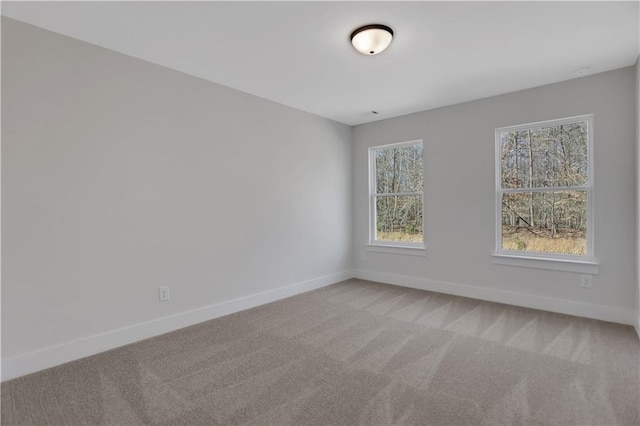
(544,185)
(396,195)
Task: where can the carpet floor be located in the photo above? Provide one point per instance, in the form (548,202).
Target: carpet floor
(352,353)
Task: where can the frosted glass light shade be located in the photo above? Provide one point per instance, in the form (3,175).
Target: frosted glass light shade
(371,39)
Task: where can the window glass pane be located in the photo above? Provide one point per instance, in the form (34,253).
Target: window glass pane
(399,169)
(546,157)
(399,218)
(549,222)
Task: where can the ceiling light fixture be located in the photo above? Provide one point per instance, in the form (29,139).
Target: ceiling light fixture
(371,39)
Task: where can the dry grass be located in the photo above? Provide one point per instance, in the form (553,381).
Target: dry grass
(565,242)
(514,238)
(400,236)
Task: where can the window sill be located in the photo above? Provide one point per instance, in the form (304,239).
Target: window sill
(564,265)
(391,249)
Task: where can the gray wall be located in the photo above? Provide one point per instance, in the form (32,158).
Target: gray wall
(460,191)
(119,176)
(637,117)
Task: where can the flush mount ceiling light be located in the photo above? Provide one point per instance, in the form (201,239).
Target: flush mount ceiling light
(371,39)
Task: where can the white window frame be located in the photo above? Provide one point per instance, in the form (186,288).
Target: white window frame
(374,243)
(580,263)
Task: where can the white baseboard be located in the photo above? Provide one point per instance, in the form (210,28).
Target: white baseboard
(55,355)
(570,307)
(80,348)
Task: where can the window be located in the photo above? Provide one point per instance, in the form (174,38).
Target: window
(396,195)
(544,185)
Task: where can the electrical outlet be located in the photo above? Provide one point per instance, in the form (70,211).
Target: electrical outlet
(363,255)
(585,281)
(163,293)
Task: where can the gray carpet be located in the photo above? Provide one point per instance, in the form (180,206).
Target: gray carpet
(352,353)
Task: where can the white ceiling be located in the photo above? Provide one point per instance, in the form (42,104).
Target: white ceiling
(298,53)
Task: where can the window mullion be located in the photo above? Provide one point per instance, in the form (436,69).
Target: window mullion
(398,194)
(545,189)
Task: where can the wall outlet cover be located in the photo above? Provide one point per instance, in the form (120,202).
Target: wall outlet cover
(163,293)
